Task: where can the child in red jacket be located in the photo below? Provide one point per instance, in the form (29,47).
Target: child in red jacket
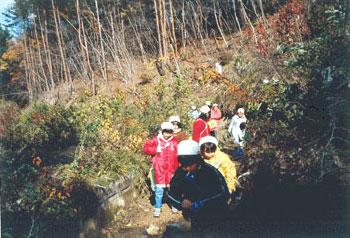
(163,149)
(200,125)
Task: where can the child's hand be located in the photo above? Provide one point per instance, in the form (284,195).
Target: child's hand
(187,204)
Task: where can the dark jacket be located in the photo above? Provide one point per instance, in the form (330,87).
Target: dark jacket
(206,188)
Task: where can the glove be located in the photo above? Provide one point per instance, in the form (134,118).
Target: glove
(197,205)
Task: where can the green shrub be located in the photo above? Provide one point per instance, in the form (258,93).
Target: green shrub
(27,141)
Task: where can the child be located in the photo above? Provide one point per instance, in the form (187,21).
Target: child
(199,190)
(241,134)
(179,134)
(194,113)
(208,103)
(215,114)
(212,155)
(200,125)
(163,149)
(237,132)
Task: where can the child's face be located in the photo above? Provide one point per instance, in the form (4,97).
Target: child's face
(208,155)
(190,168)
(167,134)
(176,126)
(241,114)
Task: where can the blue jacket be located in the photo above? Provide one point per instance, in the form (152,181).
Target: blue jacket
(206,188)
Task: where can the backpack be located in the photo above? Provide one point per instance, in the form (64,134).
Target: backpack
(212,124)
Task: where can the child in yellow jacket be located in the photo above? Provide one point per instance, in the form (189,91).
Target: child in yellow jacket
(212,155)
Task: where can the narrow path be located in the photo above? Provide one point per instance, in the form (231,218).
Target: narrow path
(138,218)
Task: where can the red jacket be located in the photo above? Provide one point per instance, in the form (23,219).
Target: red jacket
(164,162)
(200,129)
(216,115)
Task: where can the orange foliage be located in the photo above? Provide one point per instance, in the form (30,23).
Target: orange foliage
(205,74)
(237,95)
(12,59)
(37,161)
(60,193)
(44,171)
(287,26)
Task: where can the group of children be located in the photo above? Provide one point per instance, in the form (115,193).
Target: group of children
(207,122)
(170,158)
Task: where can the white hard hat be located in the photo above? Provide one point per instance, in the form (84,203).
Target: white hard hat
(188,147)
(204,109)
(167,126)
(174,118)
(208,103)
(193,107)
(206,139)
(215,105)
(240,110)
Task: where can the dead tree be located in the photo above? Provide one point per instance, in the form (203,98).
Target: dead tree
(67,79)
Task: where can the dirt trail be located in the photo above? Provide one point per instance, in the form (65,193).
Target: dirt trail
(138,217)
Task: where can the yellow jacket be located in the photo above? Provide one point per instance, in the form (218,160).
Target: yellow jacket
(227,168)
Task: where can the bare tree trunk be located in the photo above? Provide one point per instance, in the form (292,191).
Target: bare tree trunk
(158,28)
(84,48)
(214,37)
(162,16)
(197,21)
(236,18)
(138,38)
(117,48)
(34,69)
(70,81)
(149,31)
(104,70)
(63,57)
(173,27)
(165,32)
(26,66)
(254,9)
(114,48)
(31,227)
(219,28)
(46,49)
(183,28)
(194,30)
(202,20)
(263,13)
(248,20)
(40,57)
